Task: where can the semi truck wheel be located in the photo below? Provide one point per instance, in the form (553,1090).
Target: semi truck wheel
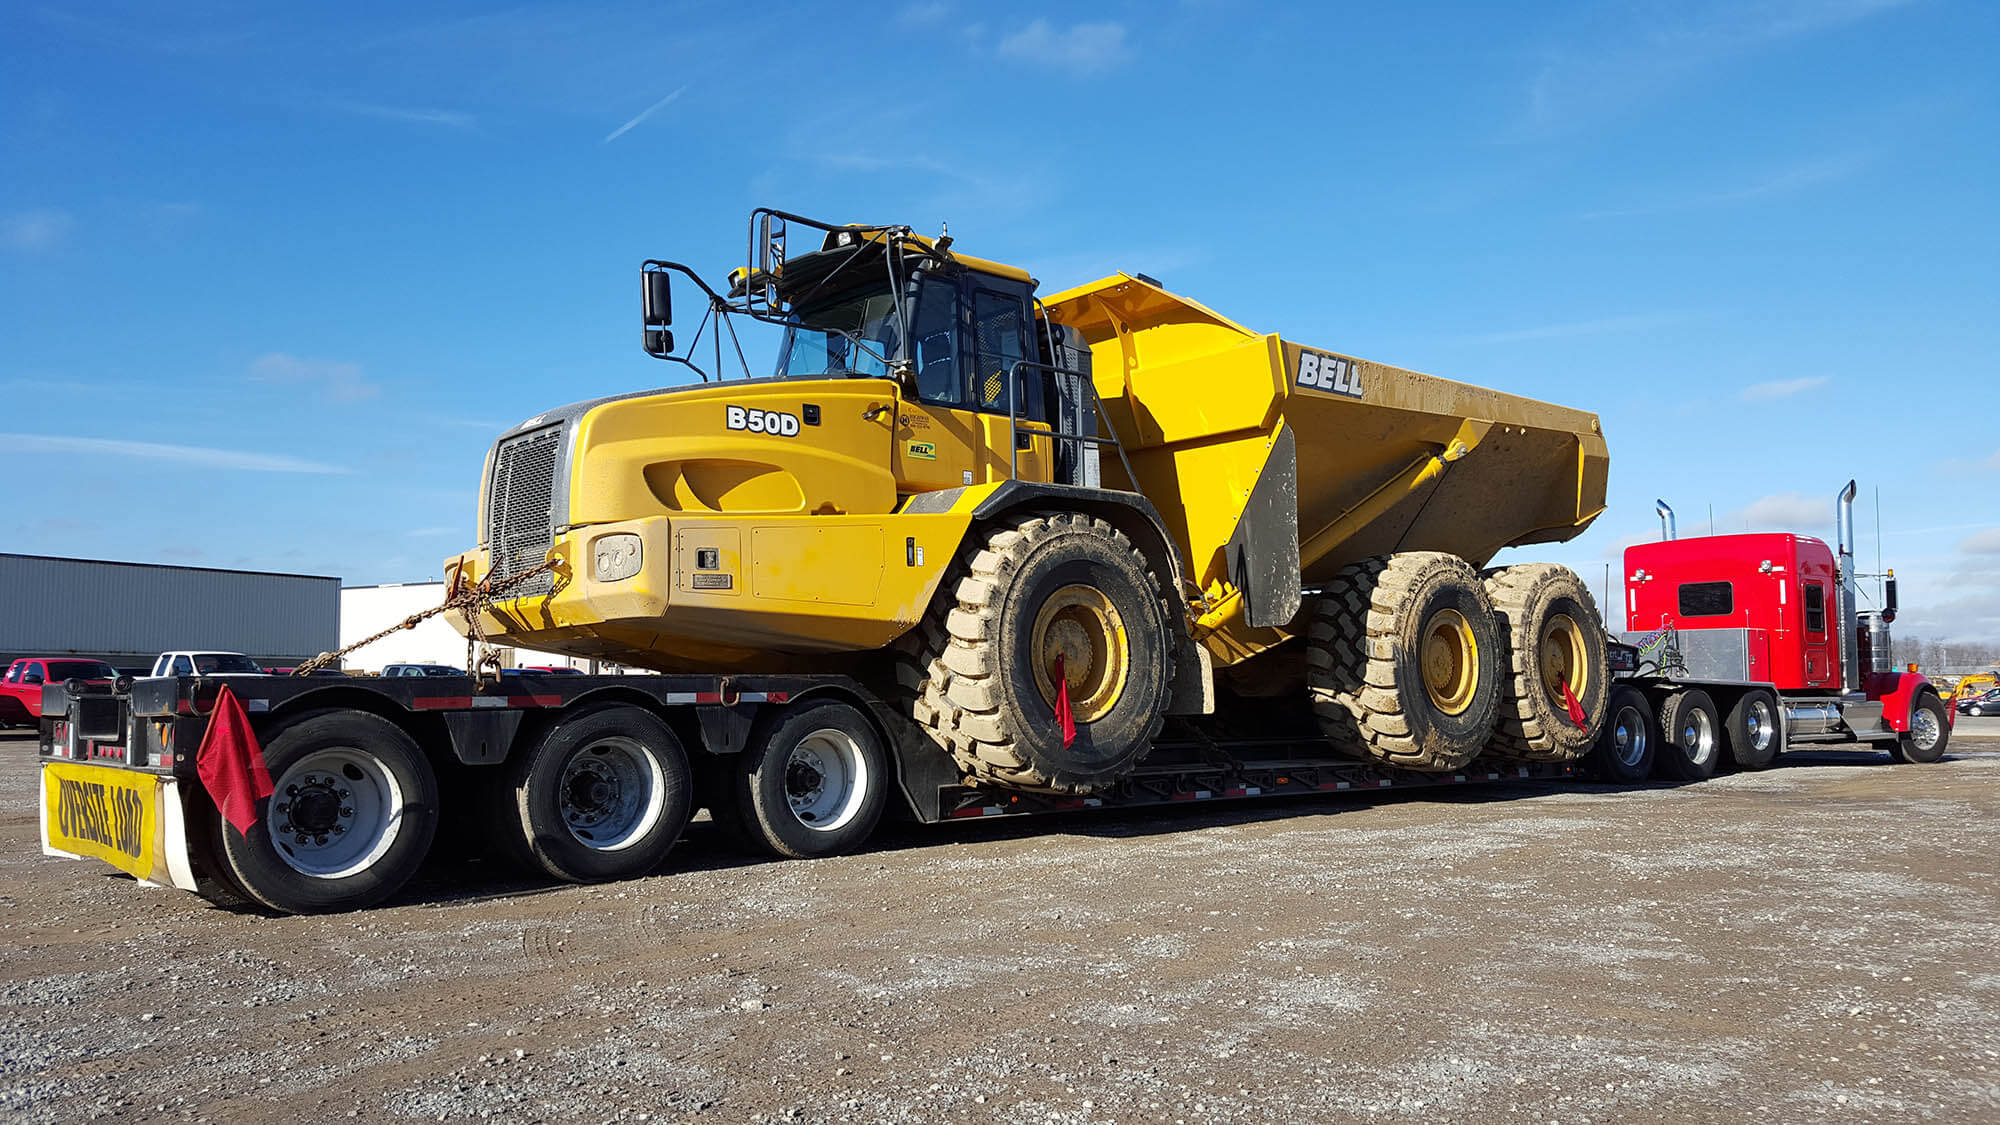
(1403,661)
(1626,746)
(603,794)
(1552,639)
(1047,601)
(813,784)
(351,819)
(1691,742)
(1928,734)
(1756,737)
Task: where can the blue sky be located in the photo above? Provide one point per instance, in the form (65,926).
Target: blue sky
(271,279)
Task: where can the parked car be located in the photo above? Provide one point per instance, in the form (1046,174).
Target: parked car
(1985,703)
(21,687)
(552,669)
(314,672)
(422,670)
(196,663)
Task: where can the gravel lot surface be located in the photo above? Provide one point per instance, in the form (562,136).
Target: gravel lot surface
(1818,941)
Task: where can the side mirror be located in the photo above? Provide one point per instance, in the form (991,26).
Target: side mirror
(657,296)
(32,678)
(659,343)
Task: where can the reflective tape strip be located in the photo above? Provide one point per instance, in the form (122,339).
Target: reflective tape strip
(442,703)
(257,705)
(984,810)
(534,701)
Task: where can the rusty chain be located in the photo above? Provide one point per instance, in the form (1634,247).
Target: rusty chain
(473,601)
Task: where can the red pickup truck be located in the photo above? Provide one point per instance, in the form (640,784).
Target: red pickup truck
(21,687)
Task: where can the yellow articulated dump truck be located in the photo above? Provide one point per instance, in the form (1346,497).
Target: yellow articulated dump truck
(966,551)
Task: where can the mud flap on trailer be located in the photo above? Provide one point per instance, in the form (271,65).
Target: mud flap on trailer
(132,821)
(1263,553)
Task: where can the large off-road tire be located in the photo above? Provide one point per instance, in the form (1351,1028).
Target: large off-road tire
(1755,730)
(1629,740)
(1403,661)
(979,673)
(1552,638)
(603,794)
(1691,736)
(1928,735)
(813,782)
(352,819)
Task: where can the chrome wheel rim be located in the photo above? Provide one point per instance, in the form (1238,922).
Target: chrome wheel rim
(334,812)
(826,778)
(1697,735)
(1758,726)
(1924,729)
(1628,737)
(613,793)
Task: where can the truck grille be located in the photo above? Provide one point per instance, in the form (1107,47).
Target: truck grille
(520,508)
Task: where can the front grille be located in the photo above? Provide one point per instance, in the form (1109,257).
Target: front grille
(520,508)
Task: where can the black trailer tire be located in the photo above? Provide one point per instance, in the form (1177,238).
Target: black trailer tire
(1928,735)
(603,794)
(352,819)
(812,783)
(1552,638)
(1630,738)
(1755,731)
(1403,661)
(1690,736)
(980,679)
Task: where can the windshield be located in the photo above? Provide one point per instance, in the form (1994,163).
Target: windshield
(60,670)
(223,663)
(852,335)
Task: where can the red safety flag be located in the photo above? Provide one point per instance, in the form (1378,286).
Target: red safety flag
(231,764)
(1576,714)
(1064,720)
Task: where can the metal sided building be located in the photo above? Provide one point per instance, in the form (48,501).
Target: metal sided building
(367,610)
(127,613)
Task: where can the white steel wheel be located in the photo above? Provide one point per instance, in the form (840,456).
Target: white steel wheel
(613,793)
(811,783)
(335,812)
(826,779)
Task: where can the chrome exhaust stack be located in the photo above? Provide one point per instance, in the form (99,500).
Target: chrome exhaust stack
(1666,519)
(1850,623)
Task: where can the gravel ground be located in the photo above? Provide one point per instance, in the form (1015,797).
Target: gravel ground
(1818,941)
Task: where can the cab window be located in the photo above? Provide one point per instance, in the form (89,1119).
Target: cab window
(1707,599)
(13,674)
(1815,599)
(999,341)
(182,667)
(939,382)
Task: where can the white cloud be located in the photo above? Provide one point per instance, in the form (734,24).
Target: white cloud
(1783,511)
(416,116)
(644,114)
(928,12)
(338,382)
(1780,183)
(1782,388)
(1084,49)
(1982,543)
(38,229)
(153,451)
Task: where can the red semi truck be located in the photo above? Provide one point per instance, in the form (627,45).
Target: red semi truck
(1748,645)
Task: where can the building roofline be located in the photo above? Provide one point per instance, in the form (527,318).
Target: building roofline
(171,566)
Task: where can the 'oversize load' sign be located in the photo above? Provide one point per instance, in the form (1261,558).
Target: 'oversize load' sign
(107,814)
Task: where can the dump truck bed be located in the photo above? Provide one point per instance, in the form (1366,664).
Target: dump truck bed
(1254,447)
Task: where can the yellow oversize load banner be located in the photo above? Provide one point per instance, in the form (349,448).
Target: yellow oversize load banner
(107,814)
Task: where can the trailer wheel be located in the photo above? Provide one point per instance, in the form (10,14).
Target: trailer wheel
(1630,739)
(603,794)
(1756,736)
(351,820)
(1691,742)
(1554,640)
(812,784)
(1048,591)
(1403,661)
(1928,734)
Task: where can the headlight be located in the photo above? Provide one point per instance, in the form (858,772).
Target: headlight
(615,557)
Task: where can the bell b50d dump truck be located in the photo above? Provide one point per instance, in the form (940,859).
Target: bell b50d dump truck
(968,548)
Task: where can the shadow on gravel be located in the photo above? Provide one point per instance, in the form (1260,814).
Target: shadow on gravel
(469,878)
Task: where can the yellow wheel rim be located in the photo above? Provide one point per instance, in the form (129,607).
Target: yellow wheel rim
(1079,625)
(1451,662)
(1562,657)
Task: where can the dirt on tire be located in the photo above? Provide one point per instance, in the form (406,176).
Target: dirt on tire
(1534,724)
